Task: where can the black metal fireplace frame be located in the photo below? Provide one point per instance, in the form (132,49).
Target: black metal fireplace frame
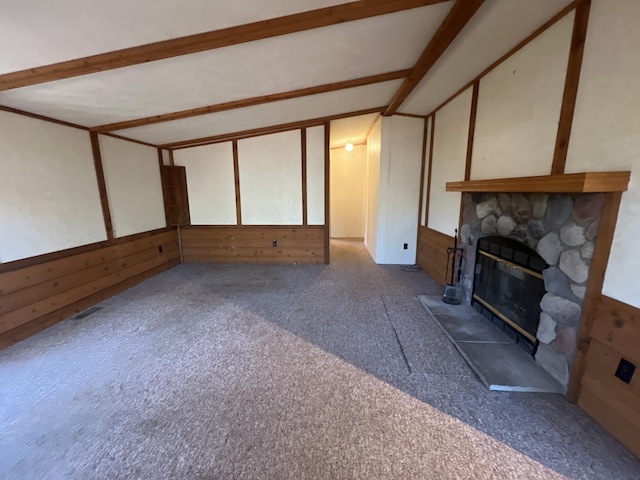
(516,254)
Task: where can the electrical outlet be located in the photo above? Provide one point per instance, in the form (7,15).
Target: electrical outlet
(625,370)
(406,246)
(275,243)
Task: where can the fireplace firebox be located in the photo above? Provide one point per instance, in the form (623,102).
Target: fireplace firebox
(508,286)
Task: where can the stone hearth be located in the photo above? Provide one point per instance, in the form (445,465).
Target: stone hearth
(562,228)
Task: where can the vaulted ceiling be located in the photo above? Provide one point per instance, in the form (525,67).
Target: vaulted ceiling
(179,73)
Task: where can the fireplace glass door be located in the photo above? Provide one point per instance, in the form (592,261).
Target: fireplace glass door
(508,287)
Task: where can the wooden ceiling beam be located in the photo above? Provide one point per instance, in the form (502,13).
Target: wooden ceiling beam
(458,17)
(200,42)
(255,132)
(250,102)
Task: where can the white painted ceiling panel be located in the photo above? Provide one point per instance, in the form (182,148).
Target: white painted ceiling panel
(497,27)
(351,129)
(340,52)
(41,32)
(302,108)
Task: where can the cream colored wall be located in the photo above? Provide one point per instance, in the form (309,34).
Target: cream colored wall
(210,183)
(134,188)
(449,160)
(425,180)
(519,108)
(348,179)
(374,153)
(271,179)
(606,128)
(49,199)
(315,175)
(399,189)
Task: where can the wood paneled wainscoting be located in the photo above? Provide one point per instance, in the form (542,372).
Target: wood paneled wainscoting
(432,253)
(253,244)
(612,402)
(38,292)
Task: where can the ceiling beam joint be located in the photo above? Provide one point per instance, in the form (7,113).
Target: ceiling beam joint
(452,25)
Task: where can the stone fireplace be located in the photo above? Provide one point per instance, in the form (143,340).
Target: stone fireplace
(562,229)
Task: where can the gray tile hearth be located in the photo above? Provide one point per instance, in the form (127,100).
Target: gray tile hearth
(499,363)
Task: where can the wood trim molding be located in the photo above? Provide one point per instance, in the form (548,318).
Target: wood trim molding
(422,169)
(225,37)
(41,117)
(431,141)
(250,102)
(127,139)
(256,132)
(455,21)
(472,130)
(172,162)
(327,192)
(102,186)
(588,182)
(540,30)
(303,155)
(570,94)
(411,115)
(160,160)
(593,293)
(236,176)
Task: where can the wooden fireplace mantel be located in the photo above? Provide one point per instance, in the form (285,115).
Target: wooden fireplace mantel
(588,182)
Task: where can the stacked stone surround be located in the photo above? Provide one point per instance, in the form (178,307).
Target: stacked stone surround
(562,228)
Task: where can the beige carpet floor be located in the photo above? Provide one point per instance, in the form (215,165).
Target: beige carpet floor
(278,372)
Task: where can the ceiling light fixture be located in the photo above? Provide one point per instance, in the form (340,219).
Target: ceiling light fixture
(348,147)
